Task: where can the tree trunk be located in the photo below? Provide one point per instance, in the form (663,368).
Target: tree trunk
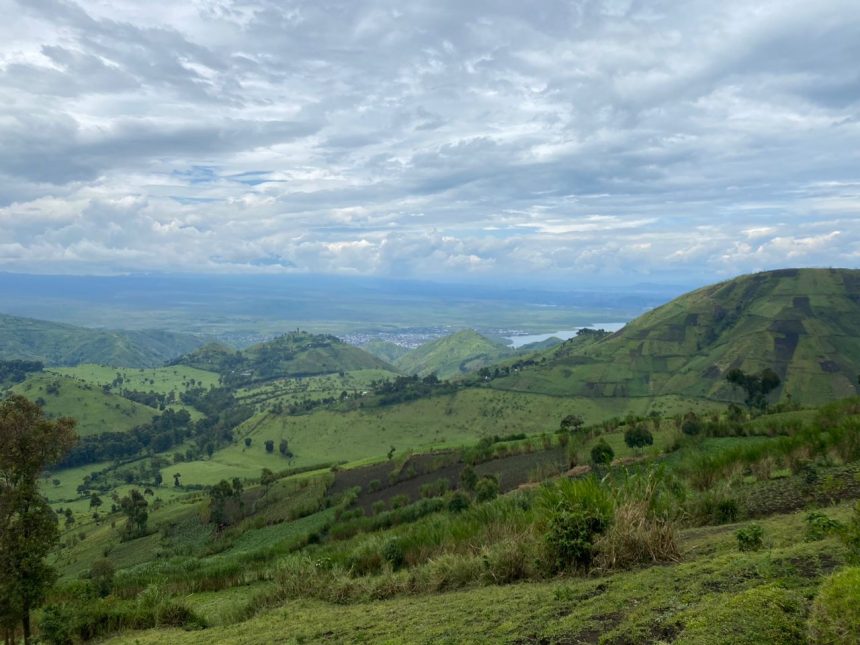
(25,623)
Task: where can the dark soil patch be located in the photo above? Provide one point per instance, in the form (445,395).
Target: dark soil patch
(784,346)
(829,366)
(801,303)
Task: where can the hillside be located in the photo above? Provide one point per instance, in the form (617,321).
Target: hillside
(385,350)
(802,323)
(453,355)
(297,354)
(67,345)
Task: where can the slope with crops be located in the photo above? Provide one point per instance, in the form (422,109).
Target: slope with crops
(804,324)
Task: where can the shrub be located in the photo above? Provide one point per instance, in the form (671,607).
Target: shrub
(56,625)
(399,501)
(691,425)
(819,526)
(602,453)
(835,615)
(101,573)
(575,513)
(726,510)
(638,437)
(378,507)
(374,485)
(468,478)
(486,489)
(392,551)
(749,537)
(459,502)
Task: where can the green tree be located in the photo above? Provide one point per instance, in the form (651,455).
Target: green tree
(267,478)
(28,527)
(571,423)
(602,453)
(135,508)
(757,387)
(638,437)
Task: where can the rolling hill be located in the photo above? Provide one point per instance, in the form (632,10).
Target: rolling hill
(802,323)
(296,354)
(67,345)
(452,355)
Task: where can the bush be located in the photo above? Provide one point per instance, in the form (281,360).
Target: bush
(835,615)
(819,526)
(575,513)
(749,537)
(56,625)
(691,425)
(602,453)
(374,485)
(392,551)
(486,489)
(638,437)
(458,503)
(399,501)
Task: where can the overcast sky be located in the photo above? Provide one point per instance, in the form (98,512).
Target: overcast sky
(577,140)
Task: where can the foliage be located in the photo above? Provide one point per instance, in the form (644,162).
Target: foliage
(749,537)
(574,513)
(28,527)
(486,489)
(756,386)
(835,615)
(638,437)
(819,526)
(134,506)
(602,453)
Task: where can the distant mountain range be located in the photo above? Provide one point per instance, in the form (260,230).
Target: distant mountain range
(802,323)
(63,345)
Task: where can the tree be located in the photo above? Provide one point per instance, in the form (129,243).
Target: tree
(284,449)
(571,423)
(176,482)
(755,386)
(28,527)
(638,437)
(270,446)
(602,453)
(267,478)
(135,508)
(247,442)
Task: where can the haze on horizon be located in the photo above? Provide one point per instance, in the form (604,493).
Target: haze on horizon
(476,141)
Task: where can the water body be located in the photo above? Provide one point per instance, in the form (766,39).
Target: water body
(563,334)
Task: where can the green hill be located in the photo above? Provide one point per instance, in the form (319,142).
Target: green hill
(94,409)
(802,323)
(67,345)
(452,355)
(296,354)
(385,350)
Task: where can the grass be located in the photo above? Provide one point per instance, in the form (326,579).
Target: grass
(162,380)
(94,410)
(678,601)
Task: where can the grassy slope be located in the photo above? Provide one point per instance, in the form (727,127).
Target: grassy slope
(162,380)
(94,410)
(684,602)
(290,391)
(454,420)
(58,344)
(389,352)
(452,355)
(805,324)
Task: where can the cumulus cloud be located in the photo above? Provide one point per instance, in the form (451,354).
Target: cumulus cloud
(559,140)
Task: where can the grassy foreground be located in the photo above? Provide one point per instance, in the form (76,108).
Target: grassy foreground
(715,595)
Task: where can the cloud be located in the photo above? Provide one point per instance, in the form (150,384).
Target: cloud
(483,139)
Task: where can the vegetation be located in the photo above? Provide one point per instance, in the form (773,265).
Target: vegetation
(28,527)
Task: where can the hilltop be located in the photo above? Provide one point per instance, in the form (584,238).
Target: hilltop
(66,345)
(296,354)
(454,355)
(802,323)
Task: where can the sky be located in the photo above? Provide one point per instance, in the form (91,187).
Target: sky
(579,141)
